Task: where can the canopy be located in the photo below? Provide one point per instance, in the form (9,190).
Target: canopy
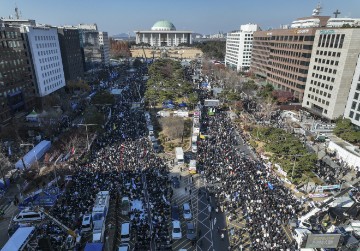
(18,239)
(33,155)
(32,117)
(182,104)
(93,247)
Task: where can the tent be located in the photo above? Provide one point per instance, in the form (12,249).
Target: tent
(32,117)
(94,247)
(4,185)
(33,155)
(182,104)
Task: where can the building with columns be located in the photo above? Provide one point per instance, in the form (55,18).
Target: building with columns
(163,33)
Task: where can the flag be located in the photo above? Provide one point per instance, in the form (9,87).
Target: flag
(271,186)
(72,150)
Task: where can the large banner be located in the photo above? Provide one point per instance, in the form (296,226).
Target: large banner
(323,240)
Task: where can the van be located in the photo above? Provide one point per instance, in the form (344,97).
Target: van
(87,224)
(125,231)
(29,215)
(124,247)
(125,206)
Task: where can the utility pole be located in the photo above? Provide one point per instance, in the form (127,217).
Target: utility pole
(87,134)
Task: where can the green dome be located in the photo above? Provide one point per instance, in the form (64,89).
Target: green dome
(163,25)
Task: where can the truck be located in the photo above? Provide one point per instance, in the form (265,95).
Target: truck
(194,143)
(179,156)
(192,166)
(163,114)
(125,206)
(211,102)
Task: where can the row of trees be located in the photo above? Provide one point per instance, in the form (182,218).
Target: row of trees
(167,81)
(286,150)
(213,49)
(119,49)
(347,131)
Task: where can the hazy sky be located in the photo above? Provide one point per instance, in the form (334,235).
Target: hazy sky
(203,16)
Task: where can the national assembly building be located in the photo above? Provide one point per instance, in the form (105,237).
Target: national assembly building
(163,33)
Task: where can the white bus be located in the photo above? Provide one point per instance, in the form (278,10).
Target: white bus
(179,156)
(99,213)
(19,239)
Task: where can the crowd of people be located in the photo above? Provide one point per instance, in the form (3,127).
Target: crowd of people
(248,188)
(121,161)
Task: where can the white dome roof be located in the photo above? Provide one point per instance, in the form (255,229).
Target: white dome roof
(163,25)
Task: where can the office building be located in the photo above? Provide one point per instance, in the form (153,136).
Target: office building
(104,47)
(44,47)
(72,59)
(95,46)
(163,33)
(239,47)
(17,92)
(335,54)
(352,109)
(282,56)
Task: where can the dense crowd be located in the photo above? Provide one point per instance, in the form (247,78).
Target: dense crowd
(248,188)
(122,162)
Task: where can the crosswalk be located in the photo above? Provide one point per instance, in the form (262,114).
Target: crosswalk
(9,210)
(187,193)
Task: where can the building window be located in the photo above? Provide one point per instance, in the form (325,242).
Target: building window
(351,114)
(357,117)
(356,95)
(353,105)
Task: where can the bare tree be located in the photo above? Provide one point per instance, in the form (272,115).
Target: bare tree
(173,127)
(268,106)
(5,166)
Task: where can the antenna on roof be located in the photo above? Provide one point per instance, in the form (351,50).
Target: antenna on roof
(336,13)
(317,10)
(17,13)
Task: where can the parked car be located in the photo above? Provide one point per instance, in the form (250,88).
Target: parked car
(187,211)
(175,182)
(176,230)
(124,247)
(175,213)
(190,231)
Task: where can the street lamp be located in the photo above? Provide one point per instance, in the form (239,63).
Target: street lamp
(28,144)
(87,134)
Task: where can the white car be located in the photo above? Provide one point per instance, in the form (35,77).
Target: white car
(187,211)
(124,247)
(176,230)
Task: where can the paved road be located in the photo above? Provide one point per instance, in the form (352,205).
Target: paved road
(181,196)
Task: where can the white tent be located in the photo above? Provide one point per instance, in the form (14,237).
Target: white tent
(32,117)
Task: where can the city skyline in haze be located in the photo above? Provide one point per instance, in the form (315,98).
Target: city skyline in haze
(201,16)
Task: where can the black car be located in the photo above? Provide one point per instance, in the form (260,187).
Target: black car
(175,182)
(175,213)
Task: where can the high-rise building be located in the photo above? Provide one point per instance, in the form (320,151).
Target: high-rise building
(17,92)
(352,110)
(46,58)
(104,47)
(71,55)
(95,46)
(282,56)
(332,66)
(239,47)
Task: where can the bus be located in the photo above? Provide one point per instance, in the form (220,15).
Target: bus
(20,239)
(99,213)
